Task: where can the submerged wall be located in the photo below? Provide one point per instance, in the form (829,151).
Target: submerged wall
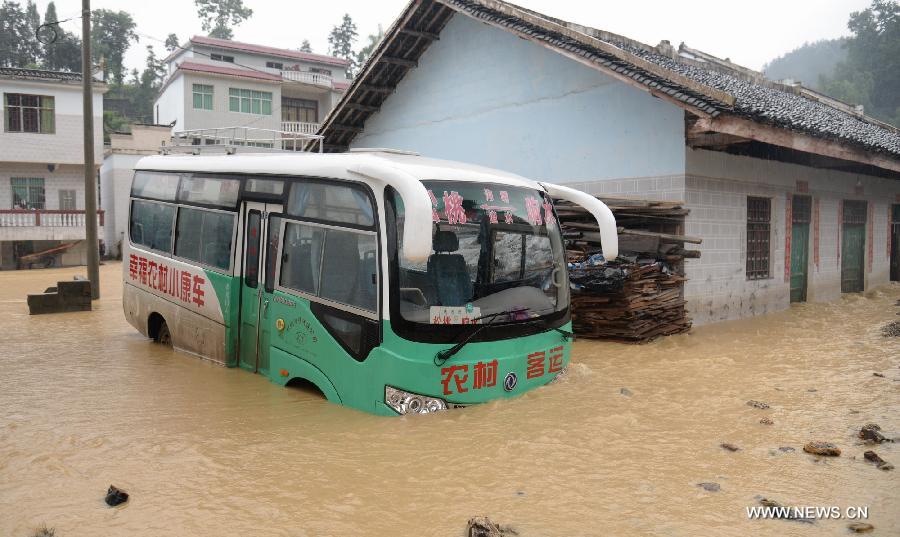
(716,189)
(484,96)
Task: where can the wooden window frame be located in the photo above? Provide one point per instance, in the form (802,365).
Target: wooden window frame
(44,113)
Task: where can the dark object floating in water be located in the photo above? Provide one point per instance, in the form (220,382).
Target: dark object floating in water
(860,527)
(625,391)
(826,449)
(710,487)
(482,526)
(891,329)
(757,404)
(115,496)
(871,432)
(879,463)
(729,447)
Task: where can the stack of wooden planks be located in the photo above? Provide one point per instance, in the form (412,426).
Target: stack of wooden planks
(638,296)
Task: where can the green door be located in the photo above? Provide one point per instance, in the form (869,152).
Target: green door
(255,299)
(800,217)
(853,247)
(895,243)
(799,261)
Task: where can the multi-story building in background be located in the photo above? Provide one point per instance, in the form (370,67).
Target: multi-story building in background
(42,167)
(213,83)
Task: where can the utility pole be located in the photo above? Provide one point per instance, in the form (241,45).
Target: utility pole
(90,174)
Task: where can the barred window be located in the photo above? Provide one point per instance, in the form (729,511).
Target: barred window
(855,212)
(27,193)
(759,224)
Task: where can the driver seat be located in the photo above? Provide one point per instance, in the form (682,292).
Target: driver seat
(447,272)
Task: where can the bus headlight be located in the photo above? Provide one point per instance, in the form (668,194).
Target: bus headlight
(411,403)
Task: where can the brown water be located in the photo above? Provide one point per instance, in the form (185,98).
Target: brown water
(209,451)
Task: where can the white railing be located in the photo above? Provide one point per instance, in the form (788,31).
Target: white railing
(253,139)
(300,127)
(316,79)
(44,218)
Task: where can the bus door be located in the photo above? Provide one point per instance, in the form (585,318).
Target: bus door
(254,326)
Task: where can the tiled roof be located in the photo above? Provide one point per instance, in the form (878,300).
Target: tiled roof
(38,74)
(706,90)
(228,71)
(271,51)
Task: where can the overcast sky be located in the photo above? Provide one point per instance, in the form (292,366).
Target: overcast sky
(749,33)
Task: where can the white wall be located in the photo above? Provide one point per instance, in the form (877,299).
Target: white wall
(483,95)
(66,145)
(716,189)
(115,184)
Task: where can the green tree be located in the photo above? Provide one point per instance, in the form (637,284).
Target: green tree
(305,46)
(18,43)
(112,32)
(62,49)
(172,42)
(341,39)
(367,50)
(871,73)
(217,17)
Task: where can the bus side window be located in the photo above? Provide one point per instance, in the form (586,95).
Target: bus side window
(151,225)
(302,257)
(204,236)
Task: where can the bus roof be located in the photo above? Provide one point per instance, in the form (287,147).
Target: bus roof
(334,165)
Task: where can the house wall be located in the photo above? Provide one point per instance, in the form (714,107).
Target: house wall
(64,177)
(115,184)
(258,61)
(528,110)
(170,104)
(66,145)
(716,189)
(220,116)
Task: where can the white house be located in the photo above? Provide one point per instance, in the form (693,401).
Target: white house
(795,195)
(116,173)
(215,83)
(42,166)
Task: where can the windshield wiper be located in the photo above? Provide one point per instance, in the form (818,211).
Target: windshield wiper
(441,357)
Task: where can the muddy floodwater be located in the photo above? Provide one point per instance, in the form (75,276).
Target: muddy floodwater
(86,402)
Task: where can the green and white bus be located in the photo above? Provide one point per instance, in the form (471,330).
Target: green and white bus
(394,283)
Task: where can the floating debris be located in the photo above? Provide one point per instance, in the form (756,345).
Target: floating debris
(826,449)
(879,463)
(115,496)
(482,526)
(876,374)
(786,513)
(871,433)
(625,391)
(892,329)
(44,531)
(729,447)
(860,527)
(710,487)
(767,421)
(757,404)
(787,449)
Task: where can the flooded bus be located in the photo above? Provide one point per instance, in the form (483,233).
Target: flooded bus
(393,283)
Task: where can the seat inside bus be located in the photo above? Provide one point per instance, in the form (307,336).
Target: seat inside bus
(447,271)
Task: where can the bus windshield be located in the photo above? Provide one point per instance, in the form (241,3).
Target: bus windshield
(496,249)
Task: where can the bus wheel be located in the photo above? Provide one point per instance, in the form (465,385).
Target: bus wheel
(163,337)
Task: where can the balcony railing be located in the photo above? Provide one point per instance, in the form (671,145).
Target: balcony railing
(44,218)
(300,127)
(316,79)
